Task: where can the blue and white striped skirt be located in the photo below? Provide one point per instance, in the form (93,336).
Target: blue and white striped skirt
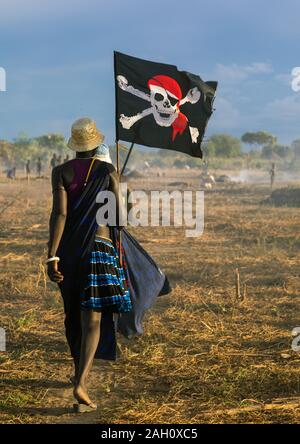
(107,284)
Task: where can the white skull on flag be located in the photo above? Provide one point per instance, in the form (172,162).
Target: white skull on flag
(165,98)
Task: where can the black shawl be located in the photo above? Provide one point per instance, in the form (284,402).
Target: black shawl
(146,280)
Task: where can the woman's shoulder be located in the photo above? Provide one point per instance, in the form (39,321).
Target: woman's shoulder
(57,178)
(109,167)
(65,173)
(56,171)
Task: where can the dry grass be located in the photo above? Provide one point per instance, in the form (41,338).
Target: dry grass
(204,356)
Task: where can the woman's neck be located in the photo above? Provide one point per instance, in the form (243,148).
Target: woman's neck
(86,154)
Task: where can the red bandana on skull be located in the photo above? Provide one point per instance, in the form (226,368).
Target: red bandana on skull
(173,90)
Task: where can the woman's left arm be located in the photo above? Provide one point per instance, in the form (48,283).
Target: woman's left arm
(57,222)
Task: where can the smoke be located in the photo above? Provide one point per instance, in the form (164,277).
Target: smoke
(263,176)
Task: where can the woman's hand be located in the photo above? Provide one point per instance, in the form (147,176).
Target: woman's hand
(53,272)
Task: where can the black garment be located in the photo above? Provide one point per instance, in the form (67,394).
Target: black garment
(146,280)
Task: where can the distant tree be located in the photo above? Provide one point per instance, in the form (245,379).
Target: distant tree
(157,162)
(208,149)
(258,138)
(178,163)
(193,162)
(54,142)
(22,149)
(6,151)
(282,150)
(163,153)
(22,141)
(267,152)
(224,145)
(296,147)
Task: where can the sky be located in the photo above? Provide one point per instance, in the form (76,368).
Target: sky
(58,59)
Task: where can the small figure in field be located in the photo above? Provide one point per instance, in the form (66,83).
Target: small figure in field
(272,175)
(53,161)
(67,158)
(39,167)
(207,180)
(11,173)
(59,160)
(28,169)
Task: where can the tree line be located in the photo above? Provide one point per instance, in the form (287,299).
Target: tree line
(23,148)
(260,144)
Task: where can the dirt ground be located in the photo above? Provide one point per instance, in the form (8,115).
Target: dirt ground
(205,356)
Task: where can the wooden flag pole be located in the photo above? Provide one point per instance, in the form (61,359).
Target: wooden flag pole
(127,158)
(118,157)
(119,174)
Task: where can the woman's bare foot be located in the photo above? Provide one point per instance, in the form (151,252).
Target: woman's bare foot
(81,395)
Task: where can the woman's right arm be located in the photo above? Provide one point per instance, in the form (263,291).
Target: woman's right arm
(57,222)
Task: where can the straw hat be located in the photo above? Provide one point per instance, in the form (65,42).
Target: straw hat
(84,135)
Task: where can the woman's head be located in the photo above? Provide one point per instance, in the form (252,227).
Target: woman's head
(85,135)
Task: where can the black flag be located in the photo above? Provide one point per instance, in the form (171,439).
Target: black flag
(159,106)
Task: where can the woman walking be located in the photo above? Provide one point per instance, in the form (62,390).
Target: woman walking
(102,292)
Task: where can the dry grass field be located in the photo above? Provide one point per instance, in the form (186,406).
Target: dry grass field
(205,356)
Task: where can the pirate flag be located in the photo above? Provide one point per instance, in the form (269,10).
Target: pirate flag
(159,106)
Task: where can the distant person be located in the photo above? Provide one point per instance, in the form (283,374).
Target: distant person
(11,173)
(53,161)
(28,169)
(39,167)
(59,160)
(67,158)
(272,175)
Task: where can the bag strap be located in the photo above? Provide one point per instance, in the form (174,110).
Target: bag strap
(89,171)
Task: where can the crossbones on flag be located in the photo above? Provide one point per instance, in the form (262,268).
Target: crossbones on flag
(159,106)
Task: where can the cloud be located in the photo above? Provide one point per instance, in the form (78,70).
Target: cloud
(287,109)
(284,79)
(259,68)
(226,117)
(234,101)
(236,73)
(281,116)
